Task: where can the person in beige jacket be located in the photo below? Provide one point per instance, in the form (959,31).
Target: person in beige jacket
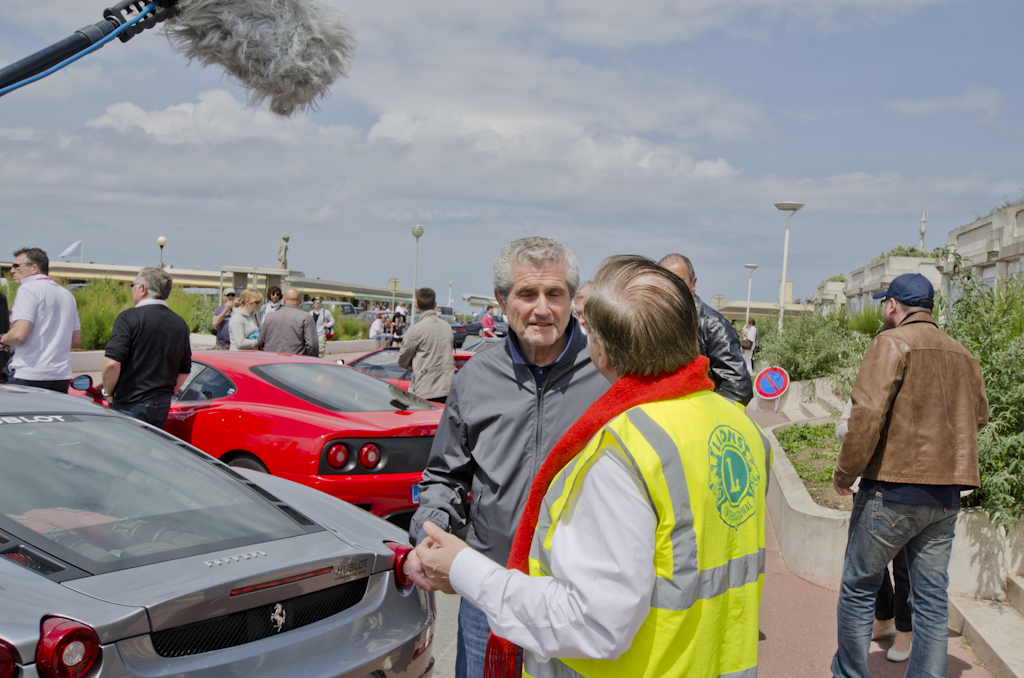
(429,350)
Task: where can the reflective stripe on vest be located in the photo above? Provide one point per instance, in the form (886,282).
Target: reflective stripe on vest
(688,584)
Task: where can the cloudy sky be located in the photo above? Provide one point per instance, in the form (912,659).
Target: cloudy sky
(648,127)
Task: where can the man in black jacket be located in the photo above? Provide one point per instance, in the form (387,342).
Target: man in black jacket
(717,338)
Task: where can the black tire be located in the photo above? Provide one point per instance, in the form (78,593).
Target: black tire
(247,461)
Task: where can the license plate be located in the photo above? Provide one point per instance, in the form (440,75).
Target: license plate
(416,494)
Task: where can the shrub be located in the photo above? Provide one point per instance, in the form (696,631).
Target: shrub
(838,277)
(98,304)
(989,322)
(867,320)
(813,345)
(909,251)
(350,328)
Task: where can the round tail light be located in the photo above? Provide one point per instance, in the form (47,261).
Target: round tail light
(8,663)
(337,455)
(369,455)
(402,552)
(67,649)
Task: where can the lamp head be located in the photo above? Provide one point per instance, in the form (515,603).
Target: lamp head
(750,266)
(161,241)
(789,206)
(417,231)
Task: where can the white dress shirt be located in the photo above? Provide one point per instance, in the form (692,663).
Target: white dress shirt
(602,562)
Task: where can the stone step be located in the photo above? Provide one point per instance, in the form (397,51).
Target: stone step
(995,632)
(1015,592)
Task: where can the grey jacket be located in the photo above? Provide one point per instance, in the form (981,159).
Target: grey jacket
(289,330)
(428,348)
(720,343)
(495,432)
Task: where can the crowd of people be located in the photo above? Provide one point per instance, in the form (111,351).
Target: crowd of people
(595,491)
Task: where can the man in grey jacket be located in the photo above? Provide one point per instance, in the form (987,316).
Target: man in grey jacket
(717,338)
(429,349)
(289,329)
(507,408)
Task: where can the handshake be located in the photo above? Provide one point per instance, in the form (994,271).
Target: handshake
(430,562)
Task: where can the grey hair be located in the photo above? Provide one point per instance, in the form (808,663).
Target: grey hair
(668,258)
(534,251)
(287,51)
(157,281)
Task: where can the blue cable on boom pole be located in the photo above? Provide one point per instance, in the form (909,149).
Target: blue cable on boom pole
(70,60)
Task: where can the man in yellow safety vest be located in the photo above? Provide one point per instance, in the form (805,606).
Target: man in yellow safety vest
(641,548)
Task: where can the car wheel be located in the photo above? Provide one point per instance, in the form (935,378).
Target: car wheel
(247,461)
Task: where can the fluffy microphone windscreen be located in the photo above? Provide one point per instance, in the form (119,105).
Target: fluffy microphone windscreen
(287,51)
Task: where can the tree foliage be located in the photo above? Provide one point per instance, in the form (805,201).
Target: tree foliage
(989,322)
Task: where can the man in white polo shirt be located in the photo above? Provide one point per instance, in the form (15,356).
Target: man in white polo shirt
(44,324)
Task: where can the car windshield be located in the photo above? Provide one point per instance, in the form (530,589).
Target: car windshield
(106,494)
(338,388)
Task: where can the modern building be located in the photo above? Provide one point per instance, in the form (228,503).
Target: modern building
(874,277)
(830,295)
(235,277)
(993,245)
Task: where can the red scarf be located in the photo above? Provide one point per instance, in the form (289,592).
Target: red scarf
(502,658)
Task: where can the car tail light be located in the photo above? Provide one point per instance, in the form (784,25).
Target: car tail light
(402,552)
(8,664)
(337,455)
(67,649)
(369,455)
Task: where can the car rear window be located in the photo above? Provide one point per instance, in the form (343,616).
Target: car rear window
(106,494)
(338,388)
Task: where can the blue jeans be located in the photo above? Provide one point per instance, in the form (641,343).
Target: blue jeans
(878,530)
(472,641)
(152,411)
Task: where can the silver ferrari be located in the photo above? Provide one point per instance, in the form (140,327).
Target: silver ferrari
(126,552)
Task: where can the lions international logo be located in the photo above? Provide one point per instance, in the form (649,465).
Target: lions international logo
(734,475)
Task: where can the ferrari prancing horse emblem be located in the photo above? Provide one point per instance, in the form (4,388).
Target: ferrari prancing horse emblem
(278,617)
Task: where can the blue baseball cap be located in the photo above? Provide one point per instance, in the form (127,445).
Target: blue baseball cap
(912,289)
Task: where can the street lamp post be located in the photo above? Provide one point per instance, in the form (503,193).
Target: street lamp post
(792,208)
(750,282)
(417,231)
(450,293)
(161,241)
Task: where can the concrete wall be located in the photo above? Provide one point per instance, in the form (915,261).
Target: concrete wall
(83,362)
(813,538)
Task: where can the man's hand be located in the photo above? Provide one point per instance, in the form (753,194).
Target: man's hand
(842,491)
(415,569)
(435,555)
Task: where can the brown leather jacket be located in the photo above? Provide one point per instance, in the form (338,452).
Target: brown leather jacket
(918,403)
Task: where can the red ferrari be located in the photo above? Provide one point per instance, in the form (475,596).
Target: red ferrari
(324,425)
(383,364)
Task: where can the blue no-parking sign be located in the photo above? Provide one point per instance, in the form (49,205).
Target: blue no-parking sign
(771,382)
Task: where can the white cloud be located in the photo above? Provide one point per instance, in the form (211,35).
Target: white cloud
(986,100)
(217,119)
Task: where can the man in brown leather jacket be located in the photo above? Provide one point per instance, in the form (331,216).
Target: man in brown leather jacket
(918,403)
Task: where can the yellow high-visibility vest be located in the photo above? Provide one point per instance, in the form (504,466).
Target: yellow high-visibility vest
(704,466)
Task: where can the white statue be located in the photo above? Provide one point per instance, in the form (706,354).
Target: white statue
(282,254)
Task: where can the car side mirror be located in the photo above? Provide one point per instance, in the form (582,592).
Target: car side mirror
(82,382)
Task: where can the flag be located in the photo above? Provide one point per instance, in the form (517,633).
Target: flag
(74,250)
